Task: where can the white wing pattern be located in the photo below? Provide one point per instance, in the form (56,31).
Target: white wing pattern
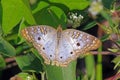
(59,47)
(43,39)
(73,43)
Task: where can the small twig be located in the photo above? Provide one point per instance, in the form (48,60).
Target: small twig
(105,53)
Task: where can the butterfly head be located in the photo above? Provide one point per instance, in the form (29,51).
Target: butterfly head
(59,28)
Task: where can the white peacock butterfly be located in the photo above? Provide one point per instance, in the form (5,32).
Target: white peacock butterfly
(59,47)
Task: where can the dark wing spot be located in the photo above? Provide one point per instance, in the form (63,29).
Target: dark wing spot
(43,48)
(50,55)
(61,57)
(71,52)
(78,44)
(39,38)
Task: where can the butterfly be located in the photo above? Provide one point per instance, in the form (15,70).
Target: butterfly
(59,47)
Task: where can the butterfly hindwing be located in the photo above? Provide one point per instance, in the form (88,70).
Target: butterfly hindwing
(65,51)
(43,39)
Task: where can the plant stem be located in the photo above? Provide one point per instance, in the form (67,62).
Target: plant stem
(42,75)
(99,65)
(89,60)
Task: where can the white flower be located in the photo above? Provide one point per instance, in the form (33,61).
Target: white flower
(75,19)
(95,7)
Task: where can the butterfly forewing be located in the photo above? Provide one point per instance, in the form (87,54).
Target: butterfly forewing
(82,41)
(43,39)
(73,43)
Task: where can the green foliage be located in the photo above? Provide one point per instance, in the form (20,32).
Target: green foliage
(71,4)
(66,73)
(108,3)
(117,63)
(90,25)
(118,41)
(52,16)
(18,14)
(6,48)
(0,19)
(25,76)
(107,17)
(29,62)
(105,37)
(91,67)
(13,12)
(2,63)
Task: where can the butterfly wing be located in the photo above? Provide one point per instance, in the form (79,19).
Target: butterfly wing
(73,43)
(65,51)
(43,39)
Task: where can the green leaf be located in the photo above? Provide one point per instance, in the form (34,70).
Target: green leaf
(40,6)
(0,19)
(26,76)
(13,12)
(52,16)
(29,62)
(0,30)
(116,61)
(114,50)
(73,4)
(2,63)
(27,3)
(90,25)
(107,17)
(105,37)
(6,48)
(37,55)
(107,3)
(61,73)
(118,41)
(22,26)
(23,76)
